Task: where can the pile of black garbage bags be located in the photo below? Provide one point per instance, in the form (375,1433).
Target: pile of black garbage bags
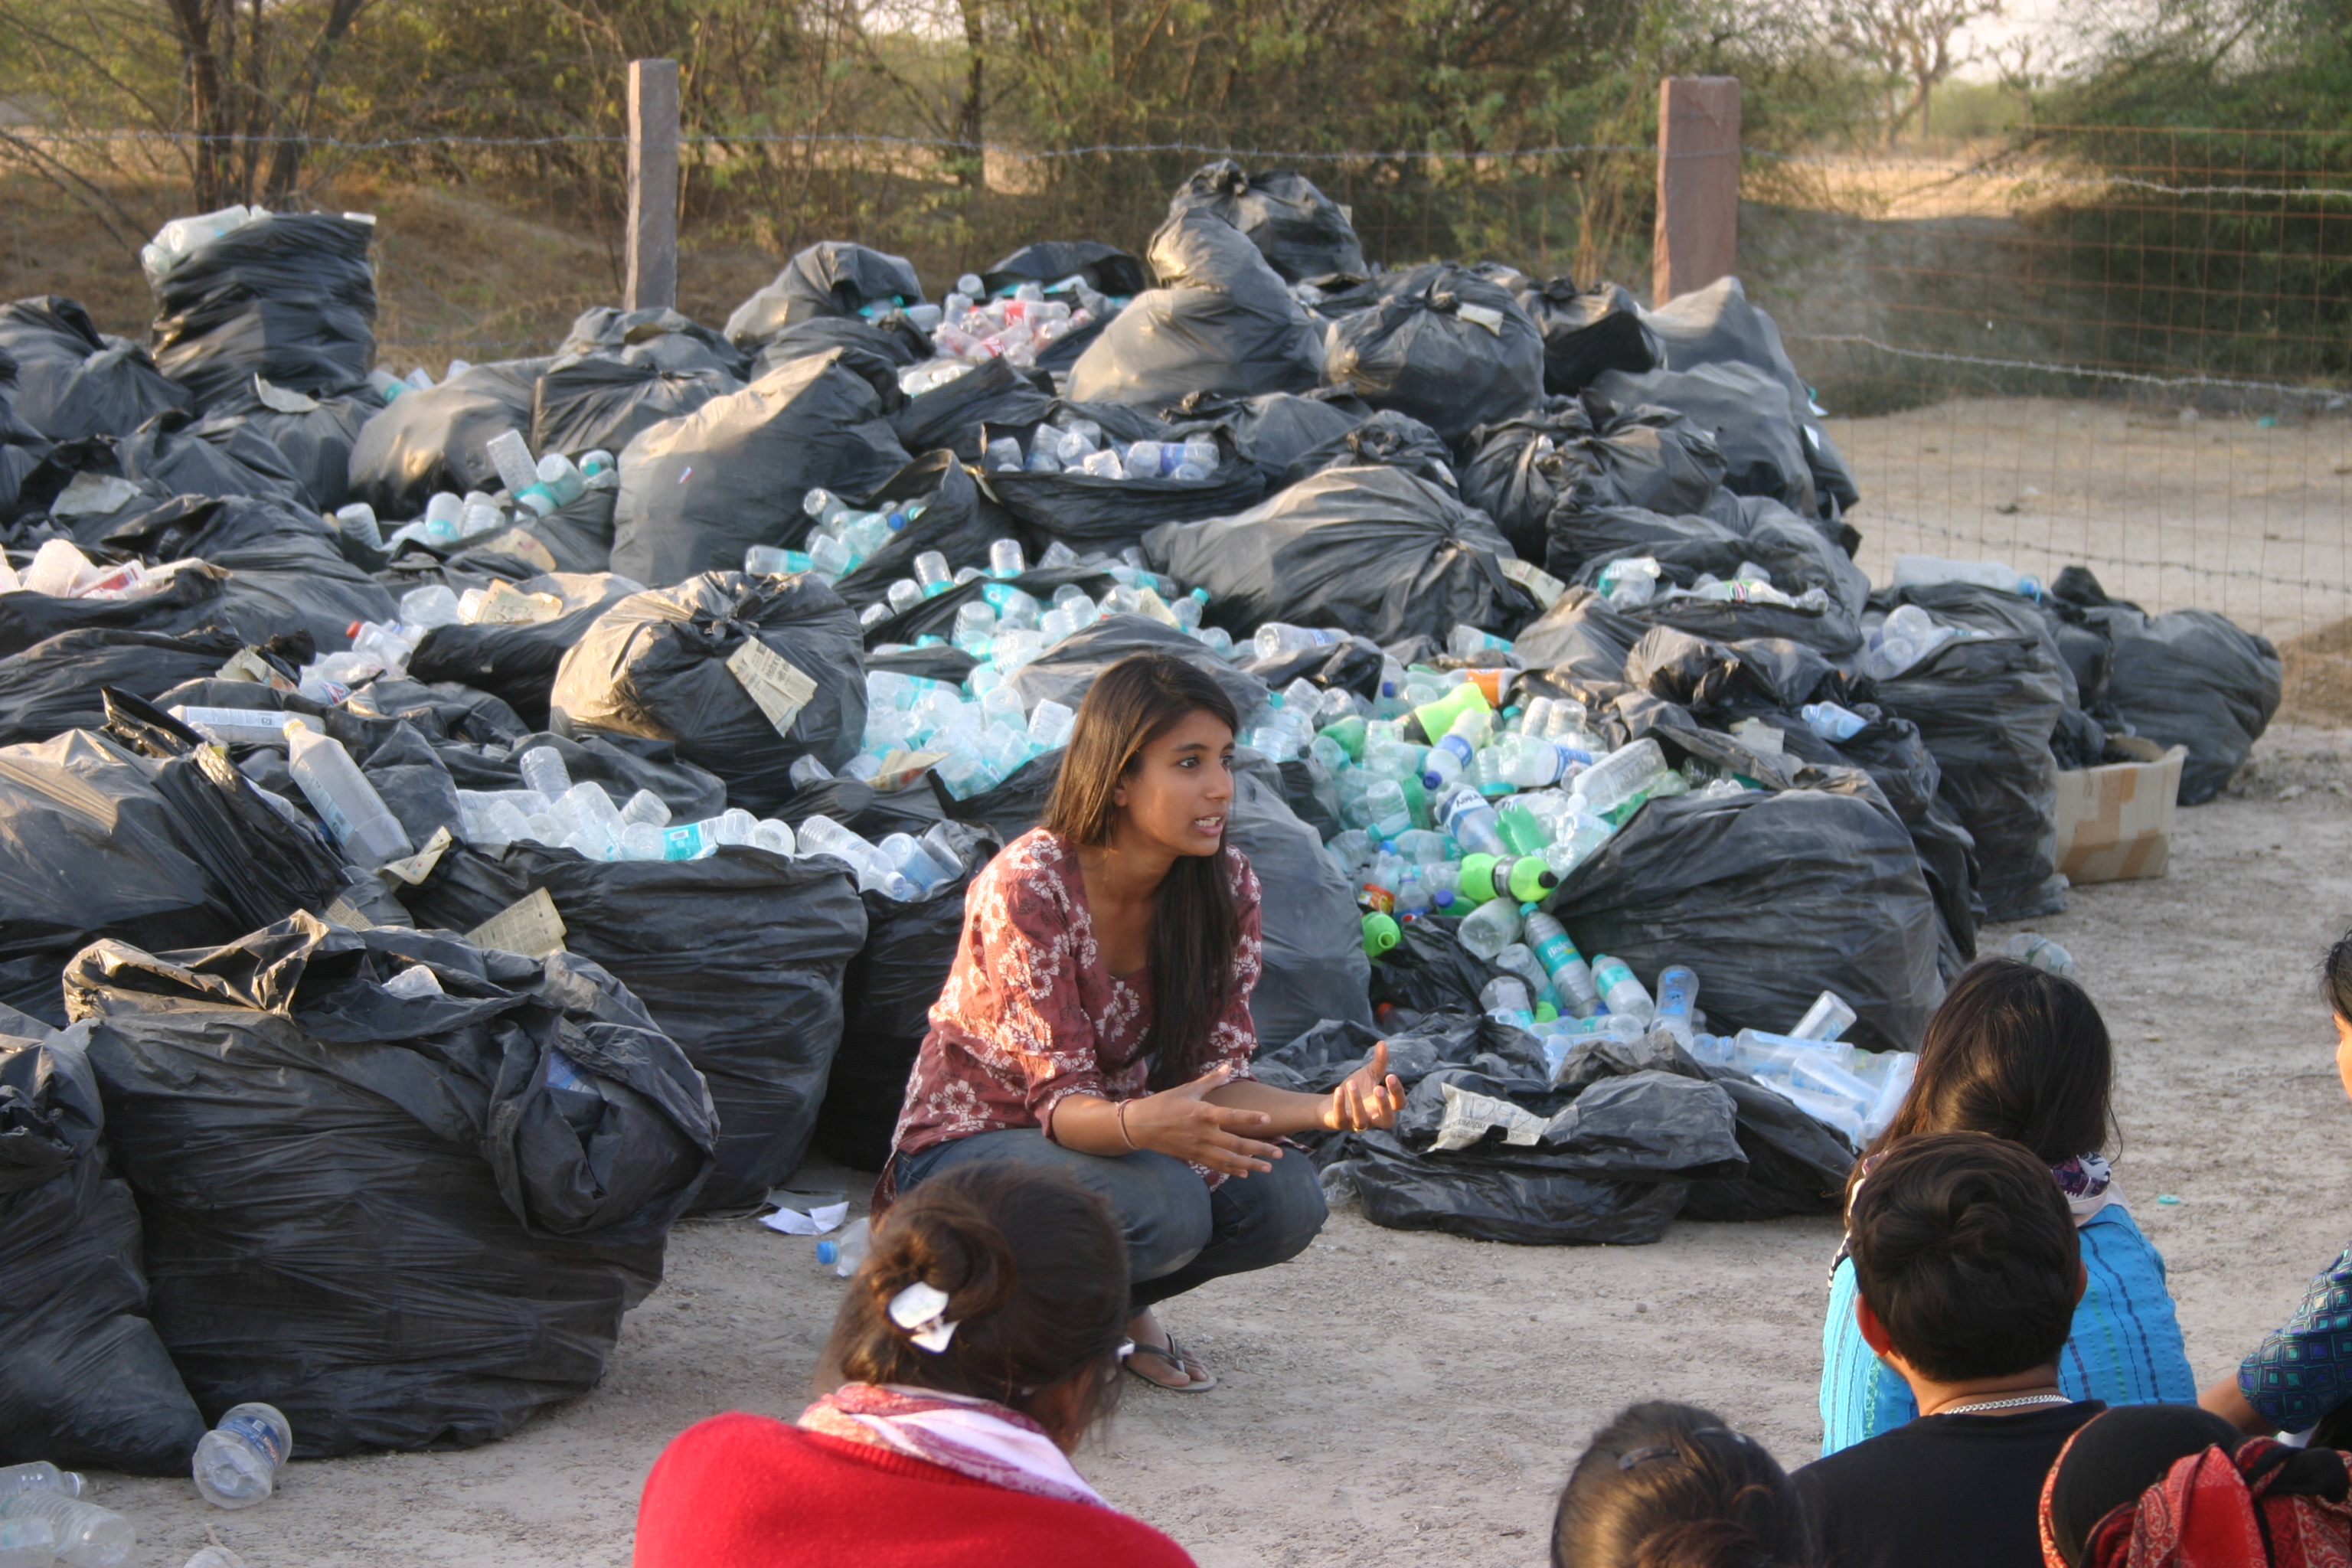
(394,1147)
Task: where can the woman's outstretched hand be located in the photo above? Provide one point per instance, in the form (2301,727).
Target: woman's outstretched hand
(1370,1096)
(1181,1121)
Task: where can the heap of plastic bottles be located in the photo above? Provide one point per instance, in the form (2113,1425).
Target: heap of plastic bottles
(62,571)
(1634,581)
(969,328)
(1077,446)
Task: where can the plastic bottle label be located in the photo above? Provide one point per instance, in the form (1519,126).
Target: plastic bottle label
(1611,974)
(258,1432)
(771,681)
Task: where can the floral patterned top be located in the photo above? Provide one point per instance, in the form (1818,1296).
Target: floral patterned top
(1030,1015)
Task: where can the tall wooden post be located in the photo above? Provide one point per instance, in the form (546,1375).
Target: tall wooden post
(653,186)
(1698,184)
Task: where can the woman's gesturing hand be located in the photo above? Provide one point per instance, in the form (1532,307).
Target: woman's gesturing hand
(1370,1096)
(1181,1121)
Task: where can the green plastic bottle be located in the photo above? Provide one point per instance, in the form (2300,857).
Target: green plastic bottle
(1380,933)
(1475,885)
(1520,830)
(1348,735)
(1437,718)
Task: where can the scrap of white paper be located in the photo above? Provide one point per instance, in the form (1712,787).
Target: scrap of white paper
(816,1222)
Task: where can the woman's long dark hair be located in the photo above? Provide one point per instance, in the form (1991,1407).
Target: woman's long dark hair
(2017,1052)
(1195,930)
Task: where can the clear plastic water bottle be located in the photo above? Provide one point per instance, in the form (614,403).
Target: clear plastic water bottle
(1827,1019)
(542,769)
(1276,638)
(1490,928)
(1831,722)
(210,1557)
(1389,813)
(83,1534)
(1620,992)
(1619,776)
(237,1462)
(1505,999)
(2033,948)
(39,1475)
(1570,975)
(1004,559)
(1472,823)
(1678,997)
(339,793)
(844,1253)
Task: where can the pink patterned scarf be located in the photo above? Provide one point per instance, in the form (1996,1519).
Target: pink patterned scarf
(974,1437)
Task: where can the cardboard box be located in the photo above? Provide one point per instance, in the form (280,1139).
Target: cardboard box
(2114,823)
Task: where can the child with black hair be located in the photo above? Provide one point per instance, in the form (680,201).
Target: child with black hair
(1968,1274)
(1670,1486)
(980,1342)
(2023,1054)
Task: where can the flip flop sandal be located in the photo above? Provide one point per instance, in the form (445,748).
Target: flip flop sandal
(1174,1355)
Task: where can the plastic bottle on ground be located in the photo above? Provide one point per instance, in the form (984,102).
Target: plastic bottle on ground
(214,1557)
(39,1475)
(1620,992)
(2033,948)
(542,769)
(339,793)
(84,1535)
(237,1461)
(844,1253)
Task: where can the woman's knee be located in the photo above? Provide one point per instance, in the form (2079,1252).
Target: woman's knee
(1284,1209)
(1165,1207)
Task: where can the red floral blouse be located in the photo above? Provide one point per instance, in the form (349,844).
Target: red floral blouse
(1029,1012)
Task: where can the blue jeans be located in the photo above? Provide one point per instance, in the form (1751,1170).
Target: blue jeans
(1179,1233)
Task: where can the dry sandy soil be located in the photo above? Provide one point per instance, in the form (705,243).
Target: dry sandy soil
(1394,1398)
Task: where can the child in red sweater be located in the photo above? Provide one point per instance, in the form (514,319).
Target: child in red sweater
(976,1347)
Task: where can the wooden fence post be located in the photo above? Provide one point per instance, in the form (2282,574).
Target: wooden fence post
(1698,184)
(653,186)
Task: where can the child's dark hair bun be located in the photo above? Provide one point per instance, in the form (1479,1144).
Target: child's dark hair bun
(950,1243)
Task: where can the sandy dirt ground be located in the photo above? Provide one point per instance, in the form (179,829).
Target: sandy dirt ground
(1392,1398)
(2212,512)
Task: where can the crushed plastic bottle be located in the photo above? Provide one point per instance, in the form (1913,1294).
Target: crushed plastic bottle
(84,1535)
(344,799)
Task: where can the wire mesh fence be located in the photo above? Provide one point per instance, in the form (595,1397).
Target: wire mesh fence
(2125,347)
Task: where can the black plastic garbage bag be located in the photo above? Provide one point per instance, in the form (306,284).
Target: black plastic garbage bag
(1387,438)
(698,491)
(1770,898)
(951,415)
(1380,552)
(1429,970)
(1721,325)
(56,684)
(960,521)
(1106,268)
(404,1221)
(212,457)
(2190,679)
(1315,966)
(737,957)
(1740,407)
(1586,332)
(1275,430)
(832,277)
(1090,512)
(1497,1201)
(518,662)
(290,299)
(876,350)
(96,840)
(84,1382)
(1013,808)
(670,664)
(661,340)
(72,380)
(1444,345)
(438,439)
(1066,671)
(313,436)
(1986,708)
(286,569)
(1302,233)
(887,996)
(1220,322)
(593,403)
(574,537)
(1563,458)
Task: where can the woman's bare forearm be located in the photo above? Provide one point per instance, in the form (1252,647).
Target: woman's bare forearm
(1291,1112)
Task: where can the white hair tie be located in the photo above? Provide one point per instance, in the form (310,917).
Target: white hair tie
(921,1310)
